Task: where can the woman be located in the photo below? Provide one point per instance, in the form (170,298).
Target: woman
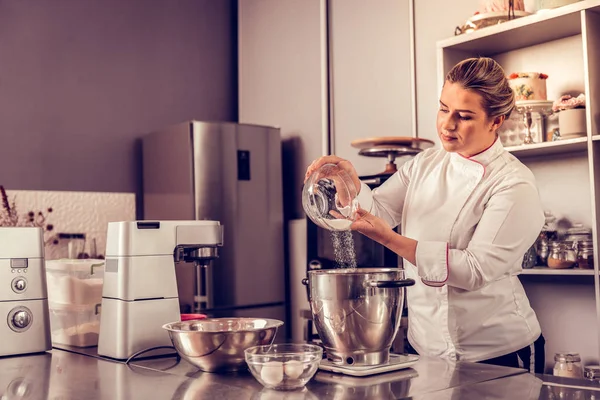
(468,214)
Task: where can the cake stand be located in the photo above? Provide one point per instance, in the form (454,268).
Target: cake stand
(526,108)
(483,20)
(391,148)
(389,152)
(494,18)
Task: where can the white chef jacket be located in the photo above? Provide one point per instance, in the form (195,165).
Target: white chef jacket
(474,219)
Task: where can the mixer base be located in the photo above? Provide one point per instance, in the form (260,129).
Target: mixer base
(396,362)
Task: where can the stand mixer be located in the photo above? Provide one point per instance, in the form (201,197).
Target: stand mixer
(140,293)
(23,293)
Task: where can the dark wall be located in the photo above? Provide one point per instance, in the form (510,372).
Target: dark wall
(82,80)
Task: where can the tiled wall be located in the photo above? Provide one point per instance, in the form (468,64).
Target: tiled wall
(76,212)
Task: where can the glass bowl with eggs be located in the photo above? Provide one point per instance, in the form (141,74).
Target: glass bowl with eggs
(284,366)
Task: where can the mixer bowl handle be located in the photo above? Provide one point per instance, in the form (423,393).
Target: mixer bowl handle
(390,284)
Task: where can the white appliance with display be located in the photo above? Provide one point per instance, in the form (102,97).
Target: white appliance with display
(140,294)
(23,292)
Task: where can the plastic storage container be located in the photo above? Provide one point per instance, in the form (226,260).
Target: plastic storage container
(75,281)
(75,325)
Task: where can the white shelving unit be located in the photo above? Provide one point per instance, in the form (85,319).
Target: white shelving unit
(559,272)
(565,44)
(550,148)
(523,32)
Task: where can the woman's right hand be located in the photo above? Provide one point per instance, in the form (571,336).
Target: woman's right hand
(340,162)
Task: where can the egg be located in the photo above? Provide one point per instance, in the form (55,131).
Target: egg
(272,372)
(293,369)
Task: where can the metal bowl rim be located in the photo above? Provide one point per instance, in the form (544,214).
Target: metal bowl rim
(271,323)
(355,271)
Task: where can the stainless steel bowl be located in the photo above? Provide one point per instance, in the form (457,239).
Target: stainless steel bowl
(357,312)
(218,344)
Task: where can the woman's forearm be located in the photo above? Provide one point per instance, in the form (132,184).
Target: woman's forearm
(401,245)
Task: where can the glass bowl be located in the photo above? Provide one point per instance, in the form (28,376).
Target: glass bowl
(329,198)
(284,366)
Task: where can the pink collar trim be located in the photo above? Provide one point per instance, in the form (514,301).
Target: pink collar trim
(486,156)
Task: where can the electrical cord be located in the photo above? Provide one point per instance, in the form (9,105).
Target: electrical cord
(139,353)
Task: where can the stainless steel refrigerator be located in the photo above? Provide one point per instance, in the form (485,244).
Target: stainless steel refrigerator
(230,173)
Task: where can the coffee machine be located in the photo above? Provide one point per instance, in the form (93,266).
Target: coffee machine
(23,292)
(139,294)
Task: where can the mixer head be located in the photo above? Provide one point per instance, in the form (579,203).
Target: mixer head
(199,255)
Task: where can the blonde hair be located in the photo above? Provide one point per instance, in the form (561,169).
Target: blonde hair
(487,78)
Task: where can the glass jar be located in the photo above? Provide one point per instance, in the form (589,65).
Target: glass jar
(578,233)
(585,254)
(550,228)
(549,4)
(329,198)
(562,255)
(548,234)
(592,372)
(568,365)
(530,258)
(543,250)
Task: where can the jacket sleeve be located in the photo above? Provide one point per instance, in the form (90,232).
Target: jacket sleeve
(387,201)
(511,221)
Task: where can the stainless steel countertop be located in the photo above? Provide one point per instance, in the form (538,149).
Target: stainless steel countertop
(64,375)
(521,387)
(427,375)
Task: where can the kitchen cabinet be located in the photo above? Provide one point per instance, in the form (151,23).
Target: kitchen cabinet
(565,44)
(370,76)
(282,80)
(327,72)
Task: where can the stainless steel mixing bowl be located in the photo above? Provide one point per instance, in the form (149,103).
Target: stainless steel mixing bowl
(357,312)
(218,344)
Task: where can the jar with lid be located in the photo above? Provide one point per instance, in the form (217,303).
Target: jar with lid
(542,250)
(592,372)
(585,254)
(562,255)
(578,233)
(568,365)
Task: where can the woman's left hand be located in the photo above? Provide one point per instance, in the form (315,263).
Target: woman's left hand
(373,227)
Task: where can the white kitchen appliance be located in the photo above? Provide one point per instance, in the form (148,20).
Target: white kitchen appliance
(23,292)
(139,294)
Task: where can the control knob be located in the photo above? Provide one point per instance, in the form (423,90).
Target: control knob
(20,319)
